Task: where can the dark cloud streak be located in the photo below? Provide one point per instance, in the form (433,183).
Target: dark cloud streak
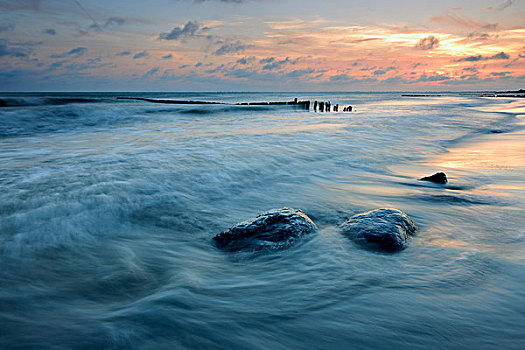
(139,55)
(499,56)
(77,52)
(189,30)
(232,47)
(7,51)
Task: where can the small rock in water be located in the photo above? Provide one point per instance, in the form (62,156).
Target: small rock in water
(275,229)
(439,178)
(3,103)
(381,229)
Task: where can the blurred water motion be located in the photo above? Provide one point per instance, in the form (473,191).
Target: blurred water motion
(108,208)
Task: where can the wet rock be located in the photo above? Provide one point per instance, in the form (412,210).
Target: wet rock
(439,178)
(381,229)
(275,229)
(3,103)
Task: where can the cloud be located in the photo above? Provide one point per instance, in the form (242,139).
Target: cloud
(49,31)
(431,78)
(109,23)
(90,63)
(5,27)
(7,51)
(499,56)
(215,70)
(481,36)
(14,5)
(142,54)
(298,73)
(151,72)
(77,52)
(124,53)
(339,78)
(428,43)
(57,64)
(114,21)
(384,70)
(267,60)
(167,57)
(501,7)
(272,63)
(232,47)
(396,80)
(499,74)
(189,30)
(245,60)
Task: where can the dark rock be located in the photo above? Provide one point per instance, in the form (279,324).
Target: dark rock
(380,229)
(275,229)
(439,178)
(3,103)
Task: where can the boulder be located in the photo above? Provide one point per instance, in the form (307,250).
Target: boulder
(275,229)
(3,103)
(439,178)
(384,229)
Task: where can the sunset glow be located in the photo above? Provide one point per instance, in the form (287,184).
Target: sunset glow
(261,45)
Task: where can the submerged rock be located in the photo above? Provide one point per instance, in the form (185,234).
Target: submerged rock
(381,229)
(439,178)
(275,229)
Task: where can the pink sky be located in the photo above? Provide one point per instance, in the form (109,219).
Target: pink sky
(214,45)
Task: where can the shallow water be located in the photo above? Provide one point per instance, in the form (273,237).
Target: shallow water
(108,208)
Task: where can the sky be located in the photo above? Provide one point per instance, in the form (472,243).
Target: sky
(261,45)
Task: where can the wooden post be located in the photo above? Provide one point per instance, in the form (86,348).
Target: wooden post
(315,106)
(321,106)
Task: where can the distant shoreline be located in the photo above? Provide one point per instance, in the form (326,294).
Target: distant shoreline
(517,93)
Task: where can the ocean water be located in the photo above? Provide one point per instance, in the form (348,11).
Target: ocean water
(108,208)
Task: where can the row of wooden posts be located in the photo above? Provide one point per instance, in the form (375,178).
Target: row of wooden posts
(323,106)
(327,106)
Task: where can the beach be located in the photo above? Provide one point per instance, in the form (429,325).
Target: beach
(109,207)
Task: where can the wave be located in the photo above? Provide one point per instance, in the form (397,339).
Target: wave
(27,122)
(48,101)
(507,124)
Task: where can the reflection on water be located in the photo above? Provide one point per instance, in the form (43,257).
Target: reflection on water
(107,211)
(501,152)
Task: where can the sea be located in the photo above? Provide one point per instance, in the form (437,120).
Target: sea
(108,209)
